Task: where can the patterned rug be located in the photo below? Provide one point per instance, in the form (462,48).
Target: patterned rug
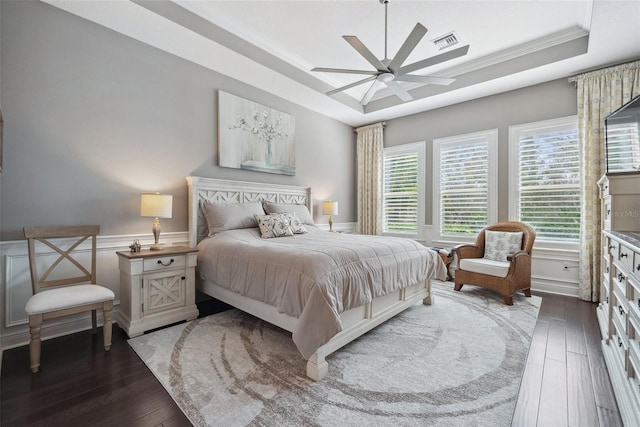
(458,362)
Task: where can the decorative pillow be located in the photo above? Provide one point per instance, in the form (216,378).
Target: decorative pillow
(294,222)
(300,210)
(499,244)
(221,217)
(273,226)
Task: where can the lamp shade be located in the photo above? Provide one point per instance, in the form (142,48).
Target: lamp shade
(330,207)
(156,205)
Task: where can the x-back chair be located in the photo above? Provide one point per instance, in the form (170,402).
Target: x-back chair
(71,289)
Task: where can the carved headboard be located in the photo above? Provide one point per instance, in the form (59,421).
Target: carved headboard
(226,191)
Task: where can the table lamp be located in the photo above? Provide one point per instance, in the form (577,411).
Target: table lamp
(330,207)
(157,206)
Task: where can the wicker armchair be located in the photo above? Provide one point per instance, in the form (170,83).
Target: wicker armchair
(504,277)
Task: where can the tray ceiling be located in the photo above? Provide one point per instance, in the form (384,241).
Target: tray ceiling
(273,45)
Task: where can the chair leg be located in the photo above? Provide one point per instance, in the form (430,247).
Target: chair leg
(94,322)
(35,326)
(107,326)
(457,286)
(507,299)
(527,292)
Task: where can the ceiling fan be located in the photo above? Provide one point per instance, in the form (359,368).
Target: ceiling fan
(390,71)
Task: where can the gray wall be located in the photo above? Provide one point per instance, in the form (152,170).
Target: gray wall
(531,104)
(93,119)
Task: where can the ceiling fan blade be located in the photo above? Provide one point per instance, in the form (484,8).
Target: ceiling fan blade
(432,80)
(455,53)
(399,91)
(349,86)
(366,53)
(344,71)
(372,91)
(407,47)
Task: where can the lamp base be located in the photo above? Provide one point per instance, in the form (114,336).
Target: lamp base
(157,247)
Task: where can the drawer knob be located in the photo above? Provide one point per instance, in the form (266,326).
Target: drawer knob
(623,255)
(621,310)
(638,267)
(619,342)
(611,247)
(620,277)
(607,300)
(165,265)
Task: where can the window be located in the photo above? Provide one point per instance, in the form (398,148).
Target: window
(545,178)
(465,169)
(403,190)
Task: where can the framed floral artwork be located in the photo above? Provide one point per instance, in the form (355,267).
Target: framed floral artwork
(255,137)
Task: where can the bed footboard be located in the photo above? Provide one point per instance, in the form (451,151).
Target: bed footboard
(360,320)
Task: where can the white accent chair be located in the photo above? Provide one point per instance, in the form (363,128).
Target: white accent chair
(57,294)
(504,276)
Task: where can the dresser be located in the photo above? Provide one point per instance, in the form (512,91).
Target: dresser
(619,309)
(157,288)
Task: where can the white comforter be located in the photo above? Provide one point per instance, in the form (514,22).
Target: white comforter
(315,276)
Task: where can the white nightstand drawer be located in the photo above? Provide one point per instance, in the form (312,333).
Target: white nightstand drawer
(163,263)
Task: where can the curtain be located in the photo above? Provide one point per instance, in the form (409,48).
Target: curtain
(369,145)
(599,94)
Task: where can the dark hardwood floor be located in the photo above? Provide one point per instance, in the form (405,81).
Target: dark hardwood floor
(565,381)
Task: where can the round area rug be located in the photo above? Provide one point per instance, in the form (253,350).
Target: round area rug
(457,362)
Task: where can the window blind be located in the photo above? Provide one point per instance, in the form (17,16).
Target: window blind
(464,185)
(549,183)
(400,195)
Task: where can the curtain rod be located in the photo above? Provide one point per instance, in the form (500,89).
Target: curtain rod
(371,124)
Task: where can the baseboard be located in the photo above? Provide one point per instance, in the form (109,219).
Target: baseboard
(556,287)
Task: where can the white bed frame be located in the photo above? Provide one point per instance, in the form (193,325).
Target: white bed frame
(356,321)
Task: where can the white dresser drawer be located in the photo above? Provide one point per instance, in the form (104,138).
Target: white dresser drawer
(620,344)
(625,256)
(619,280)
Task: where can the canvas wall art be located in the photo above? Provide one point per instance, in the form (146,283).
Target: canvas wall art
(254,137)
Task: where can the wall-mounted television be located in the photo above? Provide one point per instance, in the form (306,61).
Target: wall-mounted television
(622,129)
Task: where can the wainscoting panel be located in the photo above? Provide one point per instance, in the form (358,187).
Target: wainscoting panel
(16,288)
(554,271)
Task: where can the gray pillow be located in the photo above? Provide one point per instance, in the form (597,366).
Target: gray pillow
(221,217)
(499,244)
(300,210)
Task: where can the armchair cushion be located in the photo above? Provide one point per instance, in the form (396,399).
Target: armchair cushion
(485,266)
(499,244)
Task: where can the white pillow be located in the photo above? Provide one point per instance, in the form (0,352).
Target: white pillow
(300,210)
(294,222)
(221,217)
(499,244)
(273,226)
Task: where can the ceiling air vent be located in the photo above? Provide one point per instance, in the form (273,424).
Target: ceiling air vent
(445,41)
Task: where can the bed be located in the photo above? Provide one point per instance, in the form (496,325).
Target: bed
(325,308)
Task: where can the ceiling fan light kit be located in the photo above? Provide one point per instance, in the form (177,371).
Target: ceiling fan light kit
(391,71)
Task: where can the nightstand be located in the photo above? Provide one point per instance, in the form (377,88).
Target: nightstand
(157,288)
